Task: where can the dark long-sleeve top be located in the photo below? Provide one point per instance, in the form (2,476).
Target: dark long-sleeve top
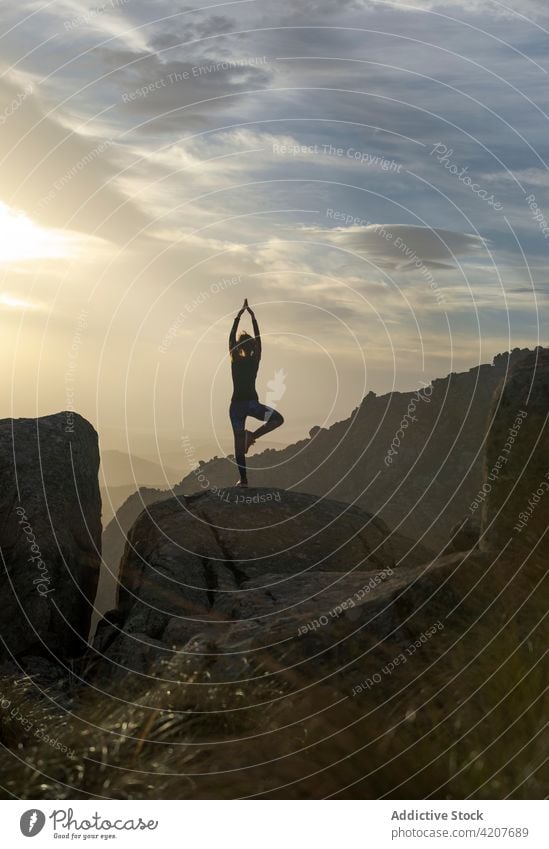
(244,369)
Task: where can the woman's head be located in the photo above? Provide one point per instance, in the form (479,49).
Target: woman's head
(245,346)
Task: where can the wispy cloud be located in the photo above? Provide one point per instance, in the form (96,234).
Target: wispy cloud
(402,247)
(151,152)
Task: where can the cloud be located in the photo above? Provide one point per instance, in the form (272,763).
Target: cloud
(60,177)
(76,20)
(531,290)
(535,8)
(181,32)
(179,95)
(191,163)
(402,247)
(13,302)
(22,241)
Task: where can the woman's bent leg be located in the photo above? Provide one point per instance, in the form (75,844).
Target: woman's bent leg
(272,419)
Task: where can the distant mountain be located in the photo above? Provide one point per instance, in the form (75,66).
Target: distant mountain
(120,469)
(112,498)
(178,459)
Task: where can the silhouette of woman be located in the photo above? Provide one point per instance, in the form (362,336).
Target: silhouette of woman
(245,356)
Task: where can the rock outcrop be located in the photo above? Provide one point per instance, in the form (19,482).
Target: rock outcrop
(225,572)
(515,493)
(50,534)
(310,598)
(113,542)
(268,557)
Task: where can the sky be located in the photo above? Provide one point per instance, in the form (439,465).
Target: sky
(371,175)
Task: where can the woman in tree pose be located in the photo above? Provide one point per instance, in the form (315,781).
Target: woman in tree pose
(245,356)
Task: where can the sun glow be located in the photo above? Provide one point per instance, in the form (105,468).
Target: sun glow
(21,240)
(7,300)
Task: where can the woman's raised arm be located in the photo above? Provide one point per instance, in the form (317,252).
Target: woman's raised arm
(257,335)
(234,328)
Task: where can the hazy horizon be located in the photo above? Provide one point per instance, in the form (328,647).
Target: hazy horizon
(155,445)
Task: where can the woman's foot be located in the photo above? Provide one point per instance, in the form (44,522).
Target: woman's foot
(241,483)
(249,440)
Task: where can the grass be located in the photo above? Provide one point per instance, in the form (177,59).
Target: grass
(466,719)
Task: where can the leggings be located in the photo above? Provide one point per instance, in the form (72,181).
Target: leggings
(238,412)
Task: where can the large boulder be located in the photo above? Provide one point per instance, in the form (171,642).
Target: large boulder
(228,606)
(254,556)
(515,492)
(50,534)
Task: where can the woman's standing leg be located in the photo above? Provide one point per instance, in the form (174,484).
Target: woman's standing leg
(238,421)
(240,455)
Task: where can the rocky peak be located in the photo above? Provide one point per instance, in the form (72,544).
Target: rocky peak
(514,496)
